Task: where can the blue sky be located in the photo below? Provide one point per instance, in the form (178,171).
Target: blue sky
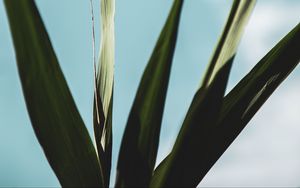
(265,154)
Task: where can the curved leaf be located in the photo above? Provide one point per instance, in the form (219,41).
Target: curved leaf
(53,113)
(103,102)
(140,142)
(246,98)
(186,165)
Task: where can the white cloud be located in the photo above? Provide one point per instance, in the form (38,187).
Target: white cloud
(267,151)
(268,24)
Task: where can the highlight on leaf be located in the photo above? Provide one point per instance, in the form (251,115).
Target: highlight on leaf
(186,165)
(103,97)
(212,123)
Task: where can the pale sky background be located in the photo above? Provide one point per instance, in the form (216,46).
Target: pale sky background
(265,154)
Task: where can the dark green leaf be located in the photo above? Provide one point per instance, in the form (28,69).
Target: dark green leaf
(185,166)
(53,113)
(246,98)
(140,142)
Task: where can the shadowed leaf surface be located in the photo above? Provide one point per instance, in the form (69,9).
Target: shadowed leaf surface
(246,98)
(103,102)
(140,142)
(53,114)
(185,164)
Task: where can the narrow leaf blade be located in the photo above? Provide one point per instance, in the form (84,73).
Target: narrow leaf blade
(103,102)
(241,104)
(185,165)
(53,113)
(230,38)
(246,98)
(140,142)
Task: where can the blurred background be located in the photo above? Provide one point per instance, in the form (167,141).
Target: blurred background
(266,153)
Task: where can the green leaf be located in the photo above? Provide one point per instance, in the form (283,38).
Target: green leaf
(186,165)
(253,90)
(53,113)
(140,142)
(103,102)
(241,104)
(229,41)
(246,98)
